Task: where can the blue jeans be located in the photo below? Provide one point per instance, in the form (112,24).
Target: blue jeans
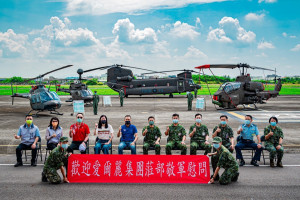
(123,145)
(247,143)
(100,145)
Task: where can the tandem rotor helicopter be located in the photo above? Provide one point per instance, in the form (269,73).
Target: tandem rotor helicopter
(243,90)
(40,97)
(118,77)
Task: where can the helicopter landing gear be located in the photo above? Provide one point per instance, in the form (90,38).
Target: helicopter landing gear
(35,114)
(56,112)
(171,95)
(126,96)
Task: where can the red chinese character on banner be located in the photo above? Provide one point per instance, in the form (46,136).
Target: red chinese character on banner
(202,169)
(86,167)
(170,169)
(192,169)
(118,171)
(129,169)
(160,168)
(140,168)
(96,167)
(180,168)
(75,166)
(107,168)
(149,169)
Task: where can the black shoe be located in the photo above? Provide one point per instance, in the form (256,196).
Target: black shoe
(44,178)
(242,162)
(33,163)
(18,164)
(254,163)
(236,177)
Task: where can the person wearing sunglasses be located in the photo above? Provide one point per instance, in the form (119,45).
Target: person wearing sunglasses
(79,132)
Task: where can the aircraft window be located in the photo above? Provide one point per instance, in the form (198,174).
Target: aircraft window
(54,96)
(38,98)
(45,96)
(86,93)
(191,82)
(33,99)
(229,87)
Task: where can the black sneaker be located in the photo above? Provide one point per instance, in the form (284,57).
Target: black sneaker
(18,164)
(33,163)
(254,163)
(236,177)
(44,178)
(242,163)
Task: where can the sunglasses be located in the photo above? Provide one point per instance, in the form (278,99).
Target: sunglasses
(79,117)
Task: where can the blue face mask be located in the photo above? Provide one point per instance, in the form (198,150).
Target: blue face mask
(273,123)
(175,121)
(151,122)
(64,146)
(79,120)
(216,146)
(223,122)
(198,121)
(247,122)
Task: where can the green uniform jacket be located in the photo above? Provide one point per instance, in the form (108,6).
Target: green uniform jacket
(226,159)
(56,159)
(176,133)
(226,133)
(152,134)
(95,99)
(274,139)
(121,94)
(200,134)
(190,96)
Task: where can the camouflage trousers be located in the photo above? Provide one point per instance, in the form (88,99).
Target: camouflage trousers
(52,175)
(200,144)
(175,145)
(147,146)
(215,158)
(229,175)
(273,151)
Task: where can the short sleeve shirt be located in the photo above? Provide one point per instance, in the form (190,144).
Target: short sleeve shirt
(105,133)
(28,134)
(79,132)
(128,133)
(152,134)
(200,134)
(249,132)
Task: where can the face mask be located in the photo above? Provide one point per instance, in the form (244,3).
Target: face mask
(151,122)
(175,121)
(247,122)
(198,121)
(79,120)
(273,123)
(29,122)
(223,122)
(216,146)
(54,123)
(64,146)
(103,121)
(127,122)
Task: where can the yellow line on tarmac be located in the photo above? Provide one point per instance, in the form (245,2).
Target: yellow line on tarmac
(237,115)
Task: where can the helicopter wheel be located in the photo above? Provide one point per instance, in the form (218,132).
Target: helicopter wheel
(171,96)
(126,95)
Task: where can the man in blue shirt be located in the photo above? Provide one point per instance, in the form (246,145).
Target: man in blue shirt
(29,135)
(246,132)
(129,136)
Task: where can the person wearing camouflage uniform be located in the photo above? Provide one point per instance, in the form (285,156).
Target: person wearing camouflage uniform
(190,100)
(177,136)
(58,159)
(121,95)
(195,92)
(273,141)
(95,102)
(152,137)
(226,161)
(199,136)
(226,134)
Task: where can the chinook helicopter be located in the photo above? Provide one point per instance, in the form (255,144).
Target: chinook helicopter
(243,90)
(78,90)
(118,77)
(40,97)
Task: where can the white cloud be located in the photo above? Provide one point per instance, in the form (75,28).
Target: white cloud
(284,34)
(198,21)
(114,50)
(127,33)
(103,7)
(12,44)
(254,17)
(267,1)
(41,46)
(194,53)
(184,30)
(230,31)
(265,45)
(296,48)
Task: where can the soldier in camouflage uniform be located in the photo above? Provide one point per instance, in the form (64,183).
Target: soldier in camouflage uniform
(273,141)
(199,136)
(177,136)
(195,92)
(226,134)
(152,137)
(226,161)
(95,102)
(190,100)
(58,159)
(121,95)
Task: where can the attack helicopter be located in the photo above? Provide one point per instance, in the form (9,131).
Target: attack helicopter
(78,90)
(243,91)
(118,77)
(40,97)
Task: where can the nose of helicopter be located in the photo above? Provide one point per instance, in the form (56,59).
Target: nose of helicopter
(52,104)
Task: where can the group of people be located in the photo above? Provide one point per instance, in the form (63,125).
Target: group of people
(222,135)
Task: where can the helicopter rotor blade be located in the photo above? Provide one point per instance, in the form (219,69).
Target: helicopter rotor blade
(42,75)
(182,70)
(231,66)
(136,68)
(97,68)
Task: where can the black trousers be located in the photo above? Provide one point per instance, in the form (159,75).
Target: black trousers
(75,146)
(25,147)
(51,146)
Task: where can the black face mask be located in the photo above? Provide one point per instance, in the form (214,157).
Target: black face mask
(103,121)
(127,122)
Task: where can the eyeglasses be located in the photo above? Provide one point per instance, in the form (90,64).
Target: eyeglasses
(79,117)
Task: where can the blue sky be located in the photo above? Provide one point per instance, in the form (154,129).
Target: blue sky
(38,35)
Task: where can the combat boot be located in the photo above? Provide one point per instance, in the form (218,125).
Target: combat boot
(279,163)
(235,178)
(242,162)
(44,178)
(272,163)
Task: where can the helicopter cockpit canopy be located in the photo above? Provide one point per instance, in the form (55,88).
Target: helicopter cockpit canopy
(86,93)
(54,96)
(48,96)
(229,87)
(191,82)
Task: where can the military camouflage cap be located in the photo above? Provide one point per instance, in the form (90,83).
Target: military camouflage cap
(63,139)
(217,140)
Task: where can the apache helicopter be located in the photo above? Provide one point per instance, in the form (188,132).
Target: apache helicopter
(78,90)
(243,90)
(40,97)
(119,78)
